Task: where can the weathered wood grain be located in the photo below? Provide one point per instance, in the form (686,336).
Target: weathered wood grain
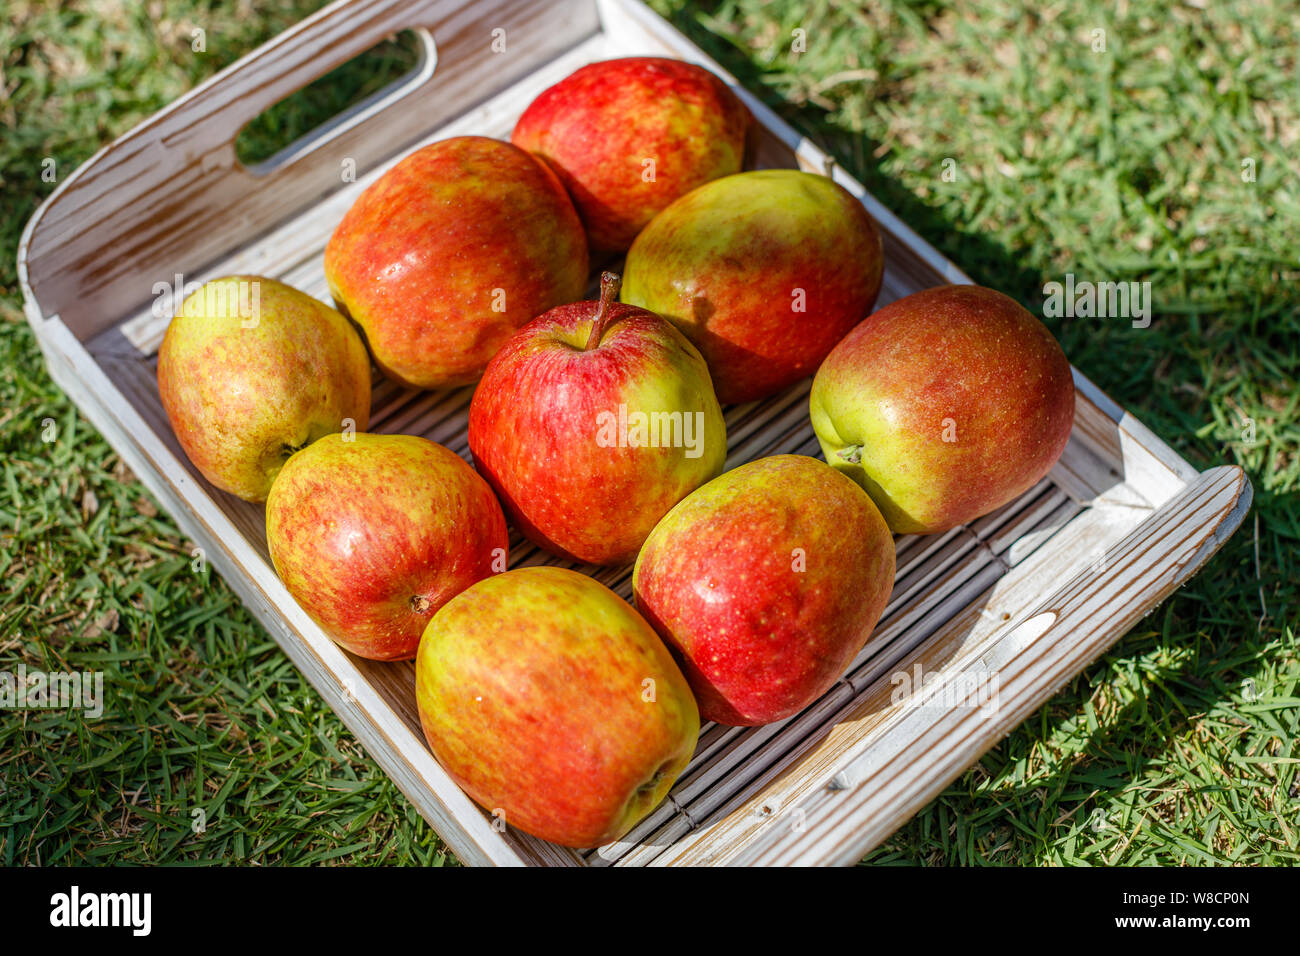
(869,796)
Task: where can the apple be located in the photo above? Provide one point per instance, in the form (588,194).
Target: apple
(764,271)
(591,423)
(451,251)
(372,535)
(251,370)
(766,583)
(553,704)
(628,136)
(944,405)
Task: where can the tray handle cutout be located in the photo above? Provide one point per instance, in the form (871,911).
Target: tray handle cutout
(353,115)
(171,196)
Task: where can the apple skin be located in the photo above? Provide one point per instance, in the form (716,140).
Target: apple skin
(532,692)
(535,429)
(451,251)
(597,127)
(373,535)
(766,583)
(944,405)
(730,263)
(244,391)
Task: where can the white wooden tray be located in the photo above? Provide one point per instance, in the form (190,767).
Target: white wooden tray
(1026,597)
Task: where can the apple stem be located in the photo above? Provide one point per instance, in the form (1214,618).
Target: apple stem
(609,286)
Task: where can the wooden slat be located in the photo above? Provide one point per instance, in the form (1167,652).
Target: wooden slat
(905,624)
(1150,467)
(859,804)
(850,717)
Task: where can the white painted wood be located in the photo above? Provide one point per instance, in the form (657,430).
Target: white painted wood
(977,601)
(957,595)
(866,799)
(1149,466)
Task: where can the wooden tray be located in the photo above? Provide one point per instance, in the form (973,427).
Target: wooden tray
(1025,597)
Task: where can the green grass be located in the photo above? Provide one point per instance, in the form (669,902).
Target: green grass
(204,712)
(300,112)
(1177,747)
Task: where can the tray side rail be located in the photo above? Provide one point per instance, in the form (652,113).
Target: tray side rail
(170,196)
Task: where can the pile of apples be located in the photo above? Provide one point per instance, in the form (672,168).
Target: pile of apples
(596,430)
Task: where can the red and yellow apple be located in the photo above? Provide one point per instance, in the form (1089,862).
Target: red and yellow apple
(591,423)
(251,370)
(449,252)
(944,405)
(372,534)
(764,271)
(629,136)
(766,583)
(553,704)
